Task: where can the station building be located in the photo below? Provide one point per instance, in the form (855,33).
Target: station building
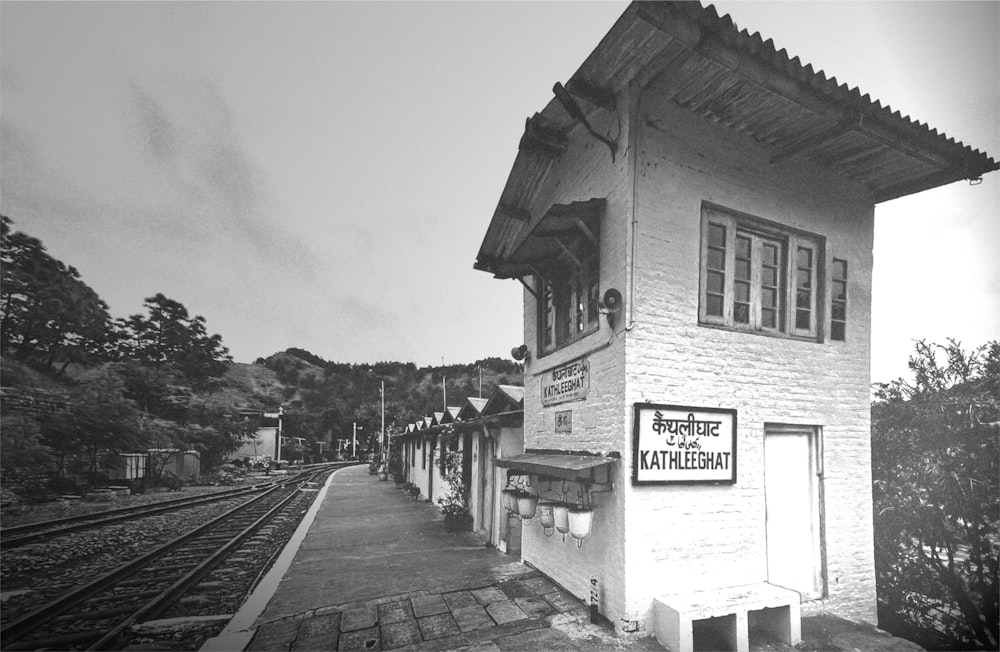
(691,216)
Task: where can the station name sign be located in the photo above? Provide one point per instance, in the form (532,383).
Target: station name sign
(570,382)
(673,443)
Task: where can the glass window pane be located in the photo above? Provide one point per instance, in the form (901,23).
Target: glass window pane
(803,278)
(802,319)
(769,253)
(769,276)
(769,318)
(716,259)
(840,290)
(742,247)
(769,297)
(743,269)
(716,235)
(838,310)
(802,299)
(742,291)
(839,269)
(804,258)
(837,331)
(713,305)
(715,280)
(741,313)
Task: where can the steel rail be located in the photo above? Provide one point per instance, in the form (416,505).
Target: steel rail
(157,605)
(30,621)
(98,519)
(53,527)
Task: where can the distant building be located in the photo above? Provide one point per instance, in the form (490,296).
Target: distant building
(692,218)
(264,443)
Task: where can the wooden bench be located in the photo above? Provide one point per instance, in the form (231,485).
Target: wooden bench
(724,616)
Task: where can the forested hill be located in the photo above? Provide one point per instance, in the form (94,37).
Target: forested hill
(334,395)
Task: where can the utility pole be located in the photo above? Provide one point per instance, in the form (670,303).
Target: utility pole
(354,440)
(444,391)
(383,438)
(277,444)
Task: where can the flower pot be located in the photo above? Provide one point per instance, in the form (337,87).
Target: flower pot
(560,513)
(526,506)
(580,522)
(546,518)
(511,498)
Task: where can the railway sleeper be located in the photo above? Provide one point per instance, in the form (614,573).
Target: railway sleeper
(64,642)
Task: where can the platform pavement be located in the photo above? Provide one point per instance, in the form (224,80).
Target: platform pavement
(371,569)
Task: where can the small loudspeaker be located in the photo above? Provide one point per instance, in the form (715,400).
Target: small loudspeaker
(519,352)
(612,301)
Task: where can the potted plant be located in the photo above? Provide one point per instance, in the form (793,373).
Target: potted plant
(411,490)
(456,517)
(455,504)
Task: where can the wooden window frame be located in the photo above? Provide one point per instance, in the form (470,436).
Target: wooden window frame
(800,275)
(567,302)
(838,298)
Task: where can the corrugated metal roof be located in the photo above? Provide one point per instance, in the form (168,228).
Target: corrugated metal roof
(687,54)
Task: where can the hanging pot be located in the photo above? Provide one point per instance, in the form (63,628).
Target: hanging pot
(526,506)
(510,498)
(560,514)
(580,521)
(546,518)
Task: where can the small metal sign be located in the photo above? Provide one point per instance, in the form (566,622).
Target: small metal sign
(564,421)
(675,443)
(569,382)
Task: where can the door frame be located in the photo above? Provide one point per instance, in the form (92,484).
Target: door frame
(817,515)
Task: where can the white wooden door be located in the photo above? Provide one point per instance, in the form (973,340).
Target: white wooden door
(791,488)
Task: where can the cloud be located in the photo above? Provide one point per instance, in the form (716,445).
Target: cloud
(209,185)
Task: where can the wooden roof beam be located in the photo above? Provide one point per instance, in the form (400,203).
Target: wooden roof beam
(538,138)
(815,140)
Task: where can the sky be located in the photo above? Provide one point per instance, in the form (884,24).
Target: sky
(320,175)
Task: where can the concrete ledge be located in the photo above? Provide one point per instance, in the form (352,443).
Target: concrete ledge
(724,616)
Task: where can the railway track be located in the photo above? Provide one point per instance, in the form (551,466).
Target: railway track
(208,564)
(21,535)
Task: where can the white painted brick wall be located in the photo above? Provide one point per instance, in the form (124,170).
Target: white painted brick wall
(653,540)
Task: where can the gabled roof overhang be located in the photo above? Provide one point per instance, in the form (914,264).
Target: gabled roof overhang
(688,55)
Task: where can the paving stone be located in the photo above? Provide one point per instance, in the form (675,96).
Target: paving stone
(544,639)
(505,612)
(488,595)
(429,605)
(507,629)
(359,618)
(515,589)
(438,626)
(395,612)
(563,601)
(277,635)
(535,606)
(362,639)
(485,646)
(318,633)
(460,600)
(539,585)
(470,618)
(401,633)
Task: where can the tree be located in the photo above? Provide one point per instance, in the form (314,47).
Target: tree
(47,313)
(24,454)
(937,498)
(169,337)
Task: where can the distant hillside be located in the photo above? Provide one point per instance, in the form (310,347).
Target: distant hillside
(306,381)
